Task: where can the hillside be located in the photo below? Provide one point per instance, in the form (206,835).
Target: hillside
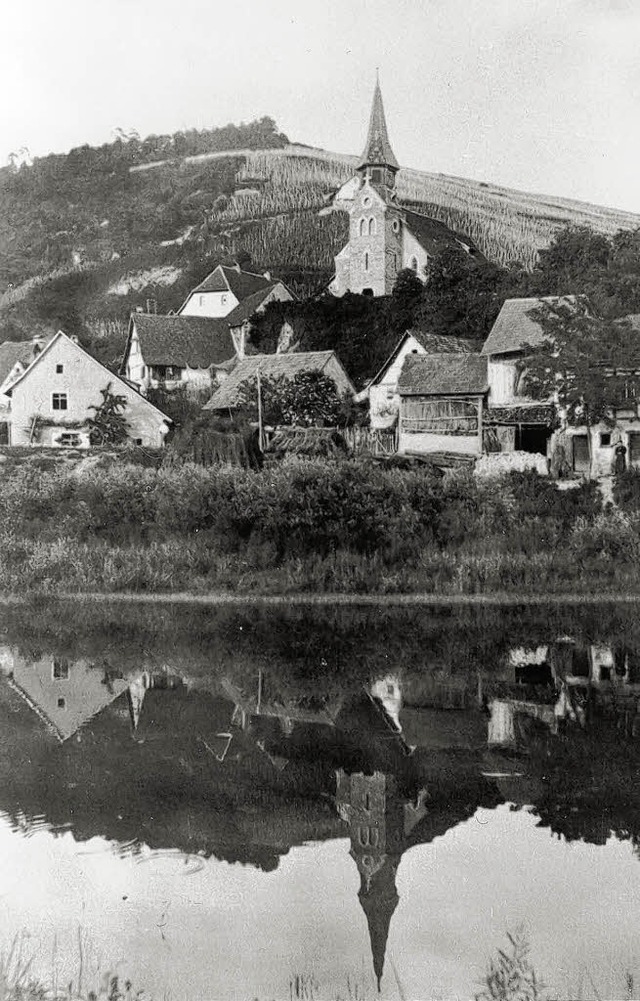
(85,237)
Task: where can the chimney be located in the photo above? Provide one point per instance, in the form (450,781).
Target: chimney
(267,275)
(237,267)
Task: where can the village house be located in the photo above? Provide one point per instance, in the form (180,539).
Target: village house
(52,399)
(176,351)
(382,391)
(229,286)
(515,422)
(229,396)
(384,236)
(442,397)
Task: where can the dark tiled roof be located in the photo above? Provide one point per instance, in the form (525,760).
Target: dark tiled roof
(241,283)
(12,352)
(193,341)
(271,366)
(514,327)
(442,343)
(377,148)
(434,235)
(443,375)
(432,343)
(249,306)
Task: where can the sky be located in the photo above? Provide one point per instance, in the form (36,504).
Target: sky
(538,95)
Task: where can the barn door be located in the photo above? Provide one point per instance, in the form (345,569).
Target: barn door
(580,453)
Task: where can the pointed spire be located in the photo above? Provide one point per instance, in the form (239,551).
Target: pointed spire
(377,150)
(379,898)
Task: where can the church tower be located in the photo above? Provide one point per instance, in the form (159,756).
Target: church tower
(371,260)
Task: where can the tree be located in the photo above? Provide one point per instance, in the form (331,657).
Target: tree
(309,399)
(587,365)
(462,297)
(108,425)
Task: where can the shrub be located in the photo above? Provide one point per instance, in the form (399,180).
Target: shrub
(612,536)
(537,496)
(626,490)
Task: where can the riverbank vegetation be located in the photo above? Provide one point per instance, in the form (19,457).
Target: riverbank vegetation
(309,526)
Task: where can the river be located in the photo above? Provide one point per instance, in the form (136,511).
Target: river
(259,802)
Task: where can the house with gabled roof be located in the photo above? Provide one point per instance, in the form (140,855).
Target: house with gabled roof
(513,420)
(227,287)
(54,396)
(174,351)
(229,396)
(441,402)
(382,391)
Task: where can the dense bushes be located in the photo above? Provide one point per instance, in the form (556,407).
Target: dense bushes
(295,508)
(626,490)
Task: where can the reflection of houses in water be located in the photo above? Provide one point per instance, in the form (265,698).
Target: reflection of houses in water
(66,694)
(380,822)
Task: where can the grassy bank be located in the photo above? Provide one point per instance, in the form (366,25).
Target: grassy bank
(310,527)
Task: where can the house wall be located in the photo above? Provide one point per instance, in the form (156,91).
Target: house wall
(502,376)
(410,249)
(82,379)
(425,443)
(209,304)
(384,401)
(83,691)
(602,455)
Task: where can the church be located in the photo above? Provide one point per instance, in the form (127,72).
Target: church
(384,237)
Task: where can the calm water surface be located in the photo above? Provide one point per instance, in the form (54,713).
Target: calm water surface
(214,803)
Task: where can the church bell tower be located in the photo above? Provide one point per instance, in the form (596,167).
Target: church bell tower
(378,163)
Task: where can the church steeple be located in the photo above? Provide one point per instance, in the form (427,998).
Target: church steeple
(378,160)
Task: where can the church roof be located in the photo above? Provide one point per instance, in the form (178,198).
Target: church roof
(434,236)
(377,149)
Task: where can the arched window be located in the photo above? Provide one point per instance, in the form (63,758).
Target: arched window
(372,227)
(363,227)
(366,261)
(413,264)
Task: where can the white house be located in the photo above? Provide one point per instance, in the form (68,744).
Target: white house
(52,399)
(382,391)
(227,287)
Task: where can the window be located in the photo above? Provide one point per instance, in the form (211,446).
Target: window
(395,226)
(137,441)
(201,300)
(413,264)
(59,401)
(62,703)
(366,261)
(363,227)
(605,439)
(59,369)
(223,300)
(367,802)
(60,670)
(368,836)
(372,227)
(366,202)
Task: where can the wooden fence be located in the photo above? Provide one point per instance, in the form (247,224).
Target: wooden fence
(371,441)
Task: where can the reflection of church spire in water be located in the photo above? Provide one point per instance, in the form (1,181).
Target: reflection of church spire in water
(376,819)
